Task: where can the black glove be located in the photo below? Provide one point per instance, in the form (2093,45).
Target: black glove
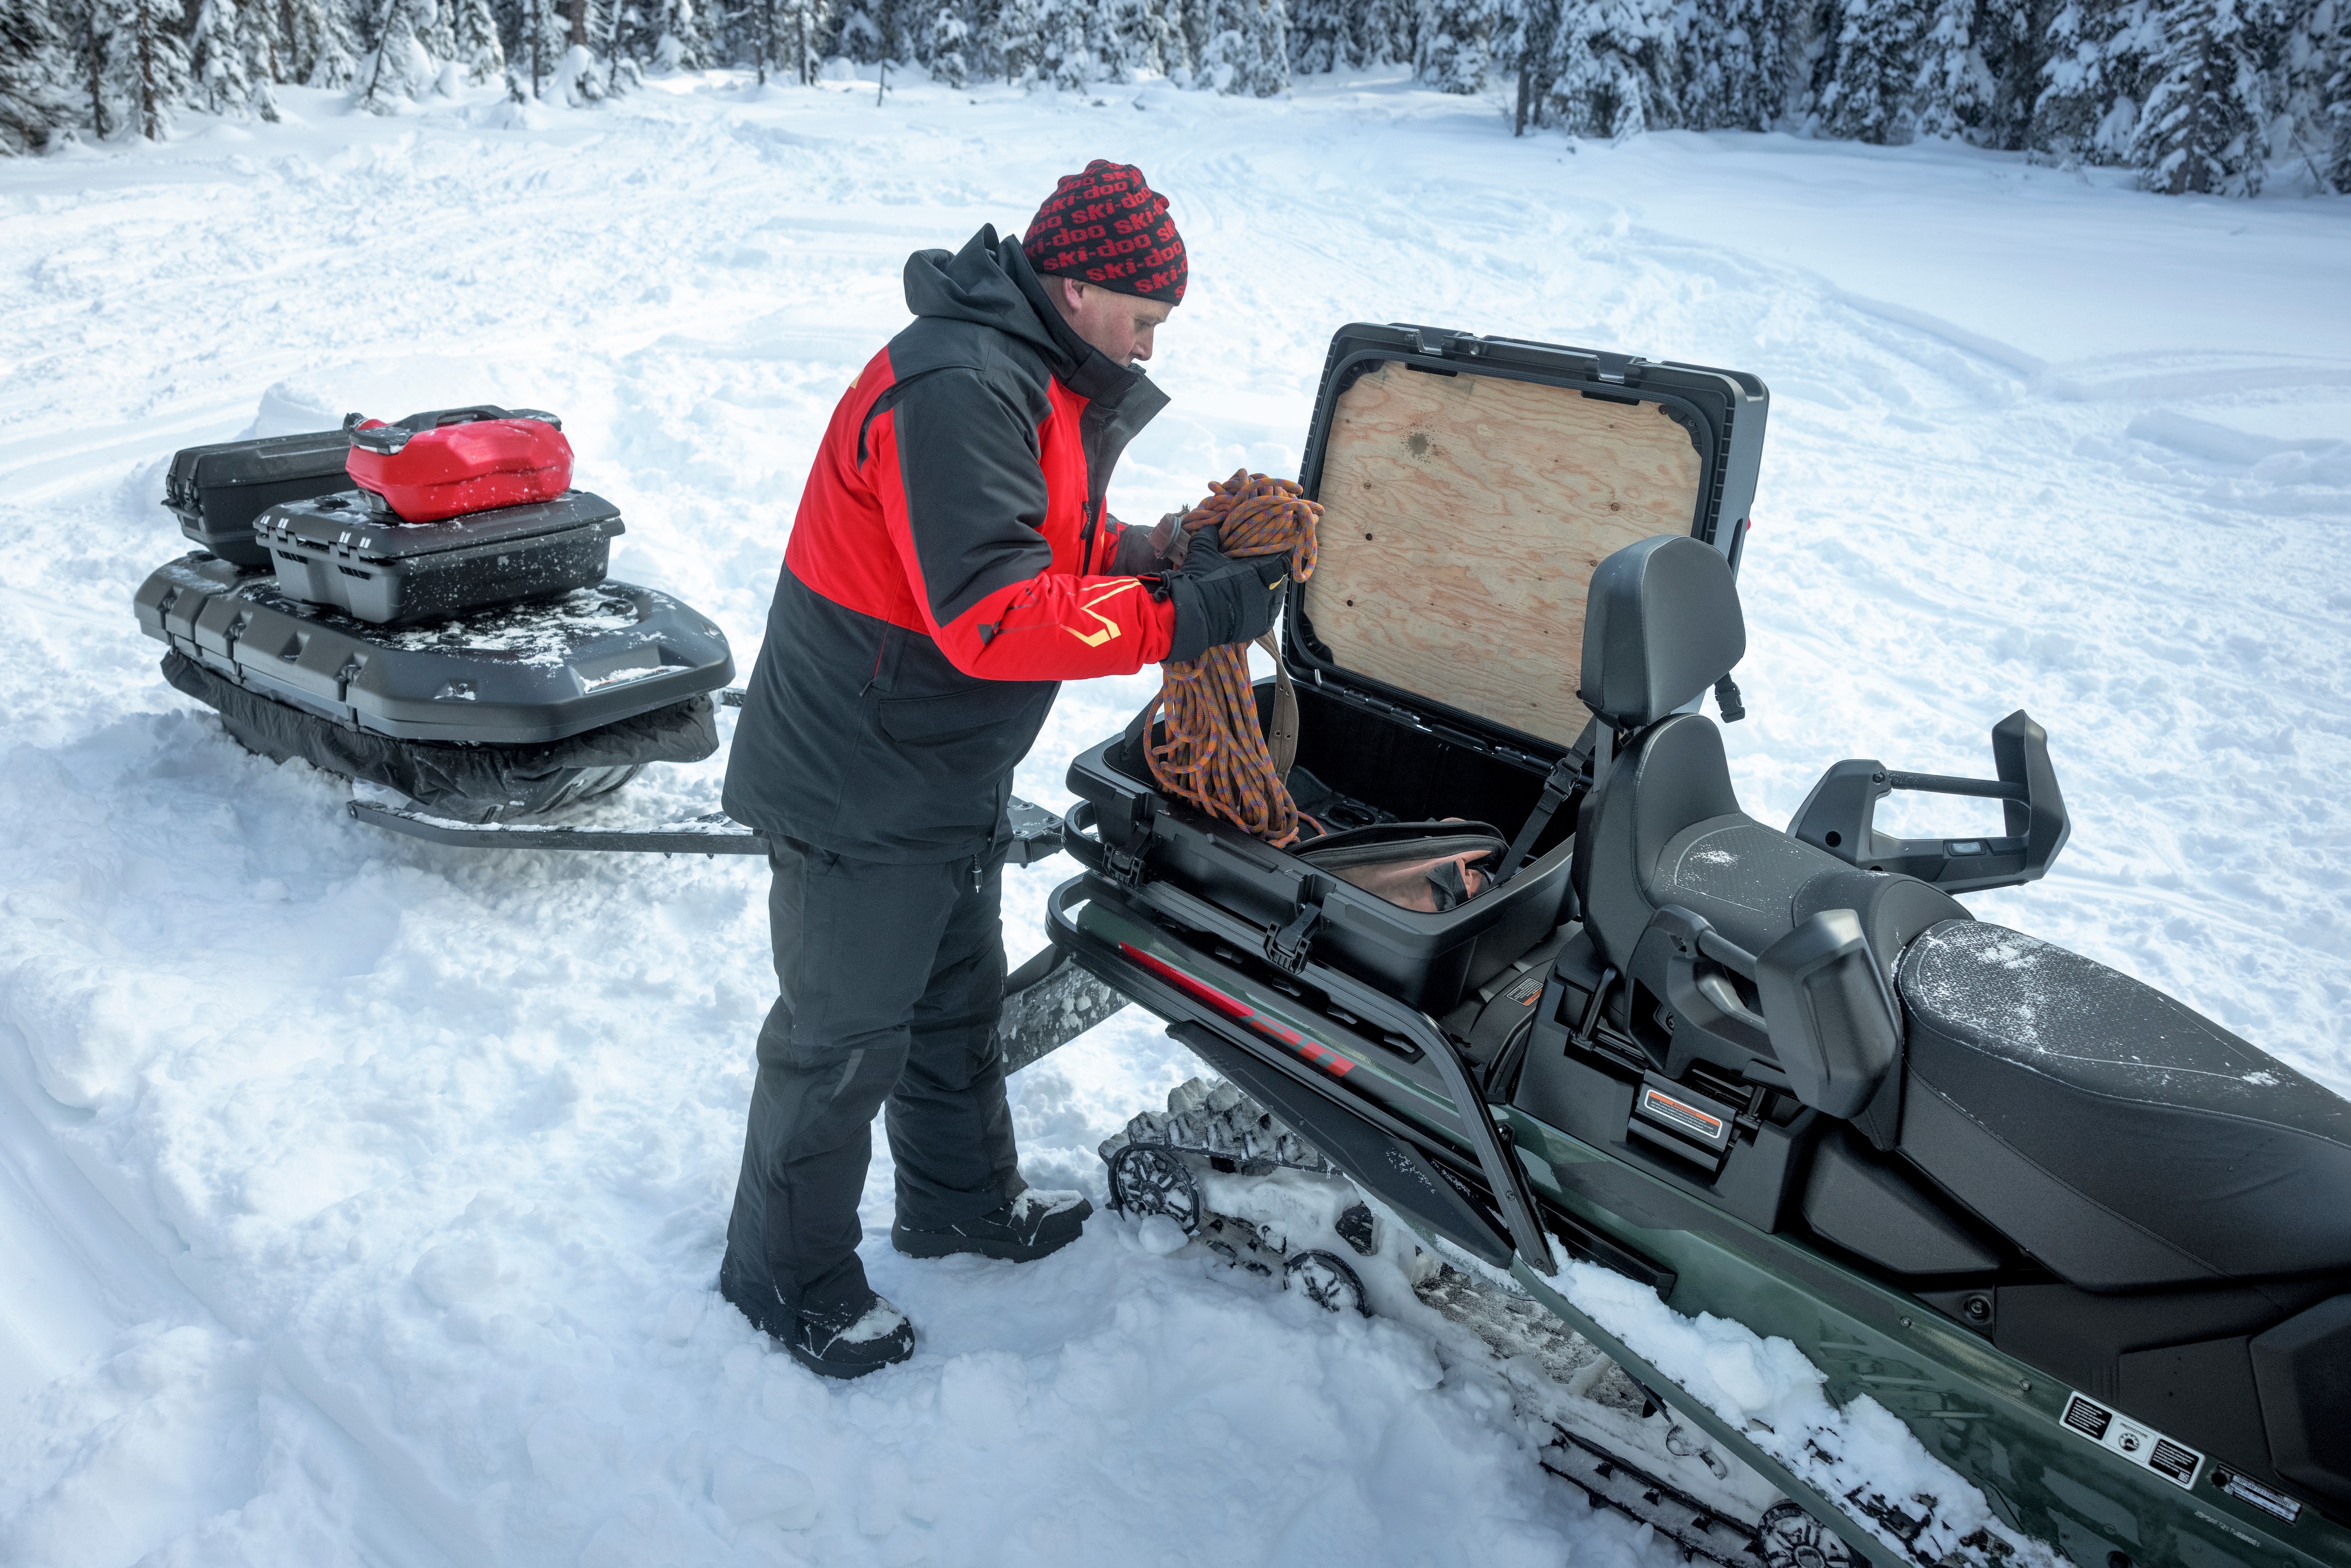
(1149,552)
(1219,599)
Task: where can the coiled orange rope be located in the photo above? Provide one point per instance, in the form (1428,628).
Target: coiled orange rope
(1213,753)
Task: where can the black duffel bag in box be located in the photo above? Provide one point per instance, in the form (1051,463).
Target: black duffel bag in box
(1469,485)
(345,553)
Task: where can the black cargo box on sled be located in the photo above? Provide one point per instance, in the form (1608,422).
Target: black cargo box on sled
(1470,487)
(217,491)
(349,552)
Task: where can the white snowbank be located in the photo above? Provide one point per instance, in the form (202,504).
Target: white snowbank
(365,1196)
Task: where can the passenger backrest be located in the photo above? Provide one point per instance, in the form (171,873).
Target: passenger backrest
(1661,624)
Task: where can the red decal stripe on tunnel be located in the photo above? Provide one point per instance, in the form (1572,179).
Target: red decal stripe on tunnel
(1320,1055)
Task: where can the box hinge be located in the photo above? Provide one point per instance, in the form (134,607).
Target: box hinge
(1285,948)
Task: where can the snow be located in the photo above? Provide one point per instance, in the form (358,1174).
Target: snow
(364,1197)
(1766,1389)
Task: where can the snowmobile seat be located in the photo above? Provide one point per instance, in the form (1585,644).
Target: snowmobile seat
(2121,1139)
(1665,830)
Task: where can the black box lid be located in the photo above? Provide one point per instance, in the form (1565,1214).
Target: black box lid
(344,525)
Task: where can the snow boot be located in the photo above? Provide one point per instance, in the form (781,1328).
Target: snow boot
(1027,1228)
(850,1341)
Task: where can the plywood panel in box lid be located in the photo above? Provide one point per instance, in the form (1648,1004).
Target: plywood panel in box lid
(1463,515)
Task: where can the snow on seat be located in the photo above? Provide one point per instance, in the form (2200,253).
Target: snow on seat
(2117,1136)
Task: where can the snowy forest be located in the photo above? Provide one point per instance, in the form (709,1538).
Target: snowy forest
(2199,96)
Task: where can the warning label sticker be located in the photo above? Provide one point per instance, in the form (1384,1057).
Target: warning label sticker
(2260,1496)
(1669,1110)
(2143,1446)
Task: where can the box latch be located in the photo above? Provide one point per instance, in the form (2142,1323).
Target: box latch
(1615,368)
(1285,948)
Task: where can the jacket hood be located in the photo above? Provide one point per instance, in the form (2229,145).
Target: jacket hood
(989,283)
(976,284)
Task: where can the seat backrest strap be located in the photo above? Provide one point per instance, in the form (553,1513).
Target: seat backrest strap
(1572,771)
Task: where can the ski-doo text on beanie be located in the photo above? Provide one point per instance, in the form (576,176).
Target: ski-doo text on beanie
(1107,227)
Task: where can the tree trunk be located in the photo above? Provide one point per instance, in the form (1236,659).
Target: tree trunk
(578,19)
(149,122)
(97,84)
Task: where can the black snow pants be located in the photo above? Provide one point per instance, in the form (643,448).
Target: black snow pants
(890,980)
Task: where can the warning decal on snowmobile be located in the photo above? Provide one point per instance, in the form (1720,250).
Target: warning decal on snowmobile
(2144,1446)
(2260,1496)
(1682,1116)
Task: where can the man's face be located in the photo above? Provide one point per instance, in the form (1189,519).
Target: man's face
(1119,324)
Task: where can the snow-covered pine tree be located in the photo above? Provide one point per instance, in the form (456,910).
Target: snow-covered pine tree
(1189,28)
(776,37)
(314,43)
(662,35)
(2335,113)
(2205,127)
(1129,35)
(1870,68)
(34,71)
(1247,52)
(1386,32)
(1321,34)
(142,65)
(2312,55)
(82,24)
(1735,64)
(436,28)
(2094,77)
(947,45)
(216,60)
(478,49)
(1456,44)
(1613,68)
(1015,38)
(1952,91)
(398,64)
(1535,45)
(2012,37)
(541,37)
(1064,59)
(864,36)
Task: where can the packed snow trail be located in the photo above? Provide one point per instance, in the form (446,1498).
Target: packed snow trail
(364,1198)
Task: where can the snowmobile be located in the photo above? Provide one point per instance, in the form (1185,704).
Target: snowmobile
(1781,1078)
(2092,1250)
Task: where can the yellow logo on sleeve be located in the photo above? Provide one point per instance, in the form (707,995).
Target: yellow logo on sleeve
(1110,627)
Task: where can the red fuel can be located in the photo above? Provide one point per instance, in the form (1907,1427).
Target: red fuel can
(447,462)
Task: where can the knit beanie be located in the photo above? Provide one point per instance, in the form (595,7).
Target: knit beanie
(1107,227)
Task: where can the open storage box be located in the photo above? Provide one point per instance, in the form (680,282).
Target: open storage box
(1469,485)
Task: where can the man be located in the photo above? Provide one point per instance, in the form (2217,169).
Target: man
(951,562)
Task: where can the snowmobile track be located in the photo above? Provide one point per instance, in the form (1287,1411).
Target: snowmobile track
(1164,1163)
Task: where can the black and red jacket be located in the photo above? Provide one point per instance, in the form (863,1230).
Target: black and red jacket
(950,565)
